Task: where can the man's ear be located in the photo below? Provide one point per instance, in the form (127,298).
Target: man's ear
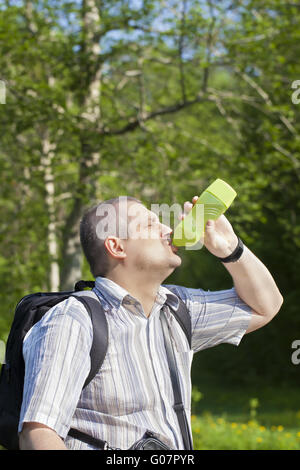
(115,247)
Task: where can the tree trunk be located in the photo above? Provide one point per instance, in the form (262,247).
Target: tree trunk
(46,163)
(90,157)
(71,253)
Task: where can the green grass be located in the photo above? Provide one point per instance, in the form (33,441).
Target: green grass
(257,419)
(217,433)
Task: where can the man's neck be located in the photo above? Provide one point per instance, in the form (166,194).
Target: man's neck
(144,292)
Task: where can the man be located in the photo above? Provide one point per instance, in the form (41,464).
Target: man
(132,392)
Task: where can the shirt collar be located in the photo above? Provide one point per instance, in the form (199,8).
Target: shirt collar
(114,294)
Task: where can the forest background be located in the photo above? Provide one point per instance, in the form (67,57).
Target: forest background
(156,99)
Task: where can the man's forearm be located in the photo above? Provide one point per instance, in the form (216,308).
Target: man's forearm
(254,284)
(39,437)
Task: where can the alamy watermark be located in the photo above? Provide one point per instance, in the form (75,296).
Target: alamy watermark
(295,358)
(2,352)
(296,94)
(2,92)
(135,221)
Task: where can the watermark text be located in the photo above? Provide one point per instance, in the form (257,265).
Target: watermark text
(2,352)
(126,220)
(296,94)
(295,358)
(2,92)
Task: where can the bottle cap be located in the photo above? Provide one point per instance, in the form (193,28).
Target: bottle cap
(222,191)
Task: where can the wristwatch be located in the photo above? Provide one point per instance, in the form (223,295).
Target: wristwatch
(235,255)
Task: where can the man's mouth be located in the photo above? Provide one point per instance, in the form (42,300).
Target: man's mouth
(174,248)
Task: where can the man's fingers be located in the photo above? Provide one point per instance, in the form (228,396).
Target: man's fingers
(187,207)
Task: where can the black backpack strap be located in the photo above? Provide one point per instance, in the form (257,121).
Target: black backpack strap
(87,439)
(100,334)
(97,353)
(81,285)
(178,402)
(183,317)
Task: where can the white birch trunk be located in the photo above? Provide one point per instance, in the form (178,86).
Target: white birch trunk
(48,150)
(72,253)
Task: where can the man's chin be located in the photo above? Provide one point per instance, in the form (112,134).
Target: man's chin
(174,264)
(176,260)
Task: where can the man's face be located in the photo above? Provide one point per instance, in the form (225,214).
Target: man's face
(148,247)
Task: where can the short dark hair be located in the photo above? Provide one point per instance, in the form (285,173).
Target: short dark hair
(93,245)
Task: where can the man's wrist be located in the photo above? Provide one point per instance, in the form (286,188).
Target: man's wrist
(235,254)
(231,247)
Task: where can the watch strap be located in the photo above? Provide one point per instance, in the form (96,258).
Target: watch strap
(235,255)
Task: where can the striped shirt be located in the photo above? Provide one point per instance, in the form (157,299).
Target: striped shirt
(132,392)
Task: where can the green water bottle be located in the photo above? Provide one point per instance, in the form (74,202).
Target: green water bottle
(212,203)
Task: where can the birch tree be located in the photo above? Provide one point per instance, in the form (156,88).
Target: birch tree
(141,96)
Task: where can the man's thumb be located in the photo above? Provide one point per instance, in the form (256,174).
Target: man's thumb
(209,224)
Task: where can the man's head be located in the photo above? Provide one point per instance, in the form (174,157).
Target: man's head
(123,234)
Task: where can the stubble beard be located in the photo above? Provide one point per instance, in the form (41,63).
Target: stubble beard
(157,269)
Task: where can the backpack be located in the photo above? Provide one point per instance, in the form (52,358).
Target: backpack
(29,311)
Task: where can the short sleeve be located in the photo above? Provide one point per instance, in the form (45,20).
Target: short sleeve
(57,361)
(217,316)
